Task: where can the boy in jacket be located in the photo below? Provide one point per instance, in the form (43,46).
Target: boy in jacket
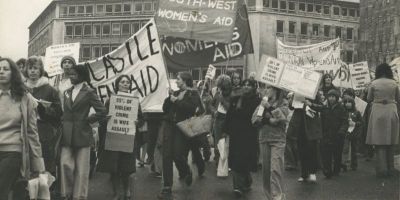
(334,128)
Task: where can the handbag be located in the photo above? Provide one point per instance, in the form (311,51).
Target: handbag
(195,126)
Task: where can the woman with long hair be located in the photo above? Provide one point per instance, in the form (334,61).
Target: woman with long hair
(383,126)
(20,149)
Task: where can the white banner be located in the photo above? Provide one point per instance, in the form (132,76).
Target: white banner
(54,54)
(323,57)
(360,75)
(140,58)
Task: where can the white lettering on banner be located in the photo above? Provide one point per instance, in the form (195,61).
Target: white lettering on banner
(54,54)
(323,57)
(141,60)
(360,75)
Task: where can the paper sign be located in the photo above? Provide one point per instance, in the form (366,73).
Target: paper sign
(211,72)
(298,101)
(272,70)
(360,105)
(359,75)
(54,54)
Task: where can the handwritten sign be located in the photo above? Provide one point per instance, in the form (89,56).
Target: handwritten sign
(360,75)
(141,59)
(211,72)
(121,128)
(206,20)
(299,80)
(54,54)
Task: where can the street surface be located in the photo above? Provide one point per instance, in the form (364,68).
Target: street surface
(352,185)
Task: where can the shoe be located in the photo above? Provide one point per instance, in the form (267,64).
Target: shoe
(238,193)
(189,179)
(301,179)
(312,178)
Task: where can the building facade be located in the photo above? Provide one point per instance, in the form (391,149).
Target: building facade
(102,25)
(302,22)
(380,31)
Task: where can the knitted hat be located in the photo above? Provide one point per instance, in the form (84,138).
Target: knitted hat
(68,58)
(334,93)
(350,92)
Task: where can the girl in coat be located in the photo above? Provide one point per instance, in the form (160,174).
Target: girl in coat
(20,149)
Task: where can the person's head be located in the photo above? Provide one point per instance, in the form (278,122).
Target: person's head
(10,77)
(249,86)
(123,83)
(21,64)
(333,97)
(202,85)
(34,68)
(252,76)
(224,84)
(327,80)
(236,79)
(321,95)
(79,74)
(273,92)
(184,80)
(67,62)
(349,92)
(383,71)
(349,103)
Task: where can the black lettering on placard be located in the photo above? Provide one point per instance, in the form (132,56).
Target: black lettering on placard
(151,40)
(92,73)
(152,89)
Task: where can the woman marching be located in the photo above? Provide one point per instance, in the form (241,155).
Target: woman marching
(77,133)
(20,149)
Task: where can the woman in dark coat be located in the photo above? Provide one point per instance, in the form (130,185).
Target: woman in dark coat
(327,84)
(243,141)
(49,109)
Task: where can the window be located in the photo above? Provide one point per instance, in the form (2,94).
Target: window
(266,3)
(336,10)
(81,10)
(310,8)
(338,32)
(68,30)
(327,10)
(89,10)
(113,47)
(87,30)
(349,56)
(318,9)
(315,29)
(279,26)
(96,51)
(109,9)
(304,27)
(117,8)
(292,27)
(283,5)
(96,30)
(327,31)
(78,30)
(138,7)
(106,29)
(302,7)
(127,8)
(100,9)
(126,29)
(147,6)
(344,11)
(274,4)
(352,13)
(71,10)
(292,6)
(349,33)
(86,51)
(105,50)
(135,27)
(116,29)
(64,11)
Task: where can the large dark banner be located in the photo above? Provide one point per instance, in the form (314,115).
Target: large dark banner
(181,54)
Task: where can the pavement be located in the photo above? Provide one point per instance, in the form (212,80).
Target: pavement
(351,185)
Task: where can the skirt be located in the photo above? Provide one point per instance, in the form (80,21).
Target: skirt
(116,162)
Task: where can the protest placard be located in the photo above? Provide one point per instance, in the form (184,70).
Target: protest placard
(360,76)
(361,105)
(290,77)
(181,53)
(121,128)
(54,54)
(323,57)
(211,72)
(141,59)
(206,20)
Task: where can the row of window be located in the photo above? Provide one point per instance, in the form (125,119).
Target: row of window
(293,6)
(103,29)
(40,42)
(316,29)
(95,51)
(108,9)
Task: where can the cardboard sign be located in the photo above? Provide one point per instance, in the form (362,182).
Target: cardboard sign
(211,72)
(206,20)
(293,78)
(141,59)
(124,113)
(54,54)
(360,75)
(360,105)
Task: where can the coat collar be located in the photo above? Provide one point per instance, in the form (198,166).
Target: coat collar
(68,95)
